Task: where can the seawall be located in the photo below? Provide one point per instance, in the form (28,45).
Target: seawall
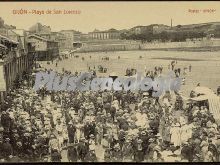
(206,45)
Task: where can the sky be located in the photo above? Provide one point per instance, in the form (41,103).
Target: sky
(106,15)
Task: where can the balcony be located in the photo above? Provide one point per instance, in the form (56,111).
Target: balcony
(9,56)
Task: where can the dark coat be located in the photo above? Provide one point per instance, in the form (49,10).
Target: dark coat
(90,157)
(139,156)
(56,157)
(72,154)
(86,131)
(27,143)
(82,150)
(191,151)
(1,151)
(5,120)
(92,129)
(145,144)
(7,149)
(185,153)
(71,132)
(124,125)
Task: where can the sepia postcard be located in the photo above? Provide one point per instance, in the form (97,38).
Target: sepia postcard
(108,81)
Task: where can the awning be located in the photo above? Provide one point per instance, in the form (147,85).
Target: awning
(4,37)
(203,90)
(214,104)
(200,98)
(9,40)
(3,46)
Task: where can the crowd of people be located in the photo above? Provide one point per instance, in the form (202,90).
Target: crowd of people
(107,126)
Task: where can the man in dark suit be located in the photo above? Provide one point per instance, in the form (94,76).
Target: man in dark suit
(71,132)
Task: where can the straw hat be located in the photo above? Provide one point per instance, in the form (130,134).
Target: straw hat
(52,136)
(143,133)
(139,141)
(91,136)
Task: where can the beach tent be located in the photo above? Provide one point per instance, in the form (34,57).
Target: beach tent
(207,94)
(214,107)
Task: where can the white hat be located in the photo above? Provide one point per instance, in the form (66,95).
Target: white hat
(145,94)
(91,135)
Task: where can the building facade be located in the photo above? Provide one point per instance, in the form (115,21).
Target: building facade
(84,37)
(42,48)
(71,36)
(14,61)
(104,35)
(39,29)
(60,38)
(153,29)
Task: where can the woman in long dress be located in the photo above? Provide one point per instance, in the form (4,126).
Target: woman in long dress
(175,134)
